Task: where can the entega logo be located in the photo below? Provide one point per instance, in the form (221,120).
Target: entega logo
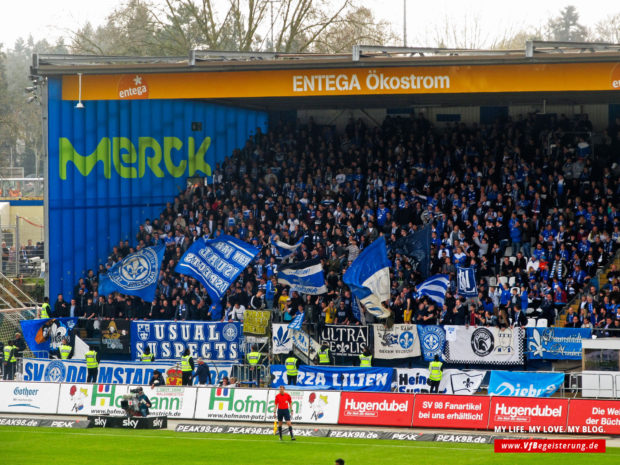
(133,87)
(130,162)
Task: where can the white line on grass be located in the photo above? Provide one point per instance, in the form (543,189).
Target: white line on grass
(361,444)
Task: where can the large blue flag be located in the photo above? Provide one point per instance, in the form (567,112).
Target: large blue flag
(216,263)
(297,321)
(435,288)
(136,274)
(369,278)
(417,247)
(305,277)
(47,333)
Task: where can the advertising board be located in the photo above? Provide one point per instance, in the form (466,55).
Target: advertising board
(23,397)
(451,411)
(309,406)
(231,404)
(528,415)
(594,416)
(372,408)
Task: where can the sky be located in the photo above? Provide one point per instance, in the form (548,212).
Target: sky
(54,18)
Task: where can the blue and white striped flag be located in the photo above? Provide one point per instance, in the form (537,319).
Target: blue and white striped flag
(297,321)
(284,250)
(369,278)
(304,277)
(435,288)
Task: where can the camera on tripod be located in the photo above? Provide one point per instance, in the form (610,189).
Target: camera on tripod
(131,402)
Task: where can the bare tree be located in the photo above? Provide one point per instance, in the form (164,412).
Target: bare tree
(466,33)
(608,30)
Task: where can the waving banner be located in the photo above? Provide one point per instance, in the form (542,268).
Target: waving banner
(369,278)
(432,341)
(256,322)
(216,263)
(136,274)
(168,339)
(524,384)
(460,382)
(556,343)
(345,340)
(399,341)
(47,333)
(341,378)
(485,345)
(304,277)
(466,282)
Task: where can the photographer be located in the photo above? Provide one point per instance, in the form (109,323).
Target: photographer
(144,402)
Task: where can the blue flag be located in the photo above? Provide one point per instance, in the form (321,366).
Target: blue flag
(297,321)
(285,250)
(47,333)
(369,278)
(136,274)
(466,282)
(435,288)
(216,263)
(305,277)
(417,247)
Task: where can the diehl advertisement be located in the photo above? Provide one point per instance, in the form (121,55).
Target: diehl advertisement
(115,163)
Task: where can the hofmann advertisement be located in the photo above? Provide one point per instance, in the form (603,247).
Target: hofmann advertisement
(231,404)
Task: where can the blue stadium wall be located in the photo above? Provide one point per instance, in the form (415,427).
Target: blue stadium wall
(112,164)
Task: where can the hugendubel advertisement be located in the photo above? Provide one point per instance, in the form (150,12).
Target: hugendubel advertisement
(375,408)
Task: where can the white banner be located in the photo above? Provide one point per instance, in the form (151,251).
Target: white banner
(304,343)
(74,371)
(231,404)
(479,345)
(171,401)
(282,338)
(21,397)
(415,380)
(399,341)
(91,399)
(314,407)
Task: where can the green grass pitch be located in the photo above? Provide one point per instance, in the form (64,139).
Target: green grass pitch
(26,446)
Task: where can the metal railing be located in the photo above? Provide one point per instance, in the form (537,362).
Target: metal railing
(606,385)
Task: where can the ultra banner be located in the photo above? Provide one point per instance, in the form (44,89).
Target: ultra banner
(74,371)
(399,341)
(168,340)
(556,343)
(345,340)
(524,384)
(415,380)
(340,378)
(484,345)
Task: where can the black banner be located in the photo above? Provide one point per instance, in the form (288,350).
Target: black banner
(345,340)
(103,421)
(44,422)
(464,438)
(260,430)
(115,337)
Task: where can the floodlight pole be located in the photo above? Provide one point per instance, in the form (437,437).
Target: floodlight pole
(404,23)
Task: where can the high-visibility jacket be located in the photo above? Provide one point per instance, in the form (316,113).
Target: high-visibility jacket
(65,350)
(91,359)
(291,366)
(45,310)
(324,357)
(185,366)
(147,358)
(253,358)
(9,354)
(365,361)
(435,371)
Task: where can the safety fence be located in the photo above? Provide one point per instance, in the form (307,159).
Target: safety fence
(499,414)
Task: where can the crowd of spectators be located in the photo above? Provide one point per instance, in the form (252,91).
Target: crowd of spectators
(523,200)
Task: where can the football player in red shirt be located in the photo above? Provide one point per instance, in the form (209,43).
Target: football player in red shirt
(283,412)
